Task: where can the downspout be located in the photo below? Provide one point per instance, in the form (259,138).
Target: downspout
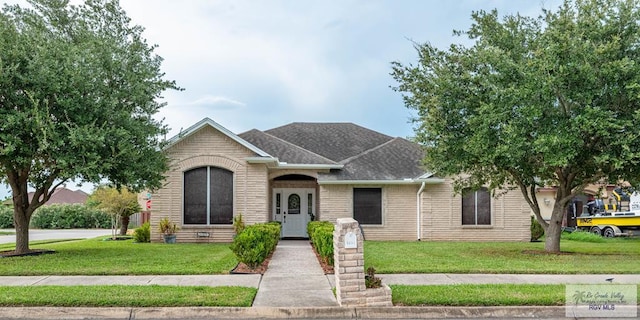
(418,211)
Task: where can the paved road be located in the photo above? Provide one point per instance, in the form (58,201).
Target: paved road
(40,234)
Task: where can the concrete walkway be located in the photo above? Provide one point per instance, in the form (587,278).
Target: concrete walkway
(294,279)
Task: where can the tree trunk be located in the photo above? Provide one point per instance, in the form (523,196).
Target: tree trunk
(124,221)
(22,230)
(554,230)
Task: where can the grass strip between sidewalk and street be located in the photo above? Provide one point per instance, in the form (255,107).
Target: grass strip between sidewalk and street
(479,295)
(126,296)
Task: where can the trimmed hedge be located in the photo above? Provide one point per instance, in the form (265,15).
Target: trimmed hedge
(6,217)
(69,216)
(255,243)
(321,235)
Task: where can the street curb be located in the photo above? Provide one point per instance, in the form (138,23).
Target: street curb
(280,313)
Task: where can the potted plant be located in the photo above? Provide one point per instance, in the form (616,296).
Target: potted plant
(168,230)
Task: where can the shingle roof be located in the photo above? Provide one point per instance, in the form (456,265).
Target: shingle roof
(64,195)
(334,141)
(397,159)
(283,150)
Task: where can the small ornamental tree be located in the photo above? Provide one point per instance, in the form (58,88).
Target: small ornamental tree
(120,204)
(78,88)
(546,101)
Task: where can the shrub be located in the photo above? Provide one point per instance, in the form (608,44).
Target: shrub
(143,233)
(238,224)
(311,227)
(321,235)
(255,243)
(536,229)
(69,216)
(370,279)
(6,217)
(582,236)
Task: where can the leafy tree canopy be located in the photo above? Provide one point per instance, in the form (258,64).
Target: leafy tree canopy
(119,203)
(78,88)
(547,101)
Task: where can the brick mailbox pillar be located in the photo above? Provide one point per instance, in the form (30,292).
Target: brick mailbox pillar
(348,250)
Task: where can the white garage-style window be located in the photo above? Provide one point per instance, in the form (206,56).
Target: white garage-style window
(208,196)
(476,207)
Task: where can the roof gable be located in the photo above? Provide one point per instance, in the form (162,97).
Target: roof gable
(334,141)
(208,122)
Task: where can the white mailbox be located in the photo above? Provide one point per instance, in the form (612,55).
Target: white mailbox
(350,240)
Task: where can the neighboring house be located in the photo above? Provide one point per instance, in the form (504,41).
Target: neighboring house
(63,195)
(325,171)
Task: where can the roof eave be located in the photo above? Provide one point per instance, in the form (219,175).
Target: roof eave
(284,165)
(380,182)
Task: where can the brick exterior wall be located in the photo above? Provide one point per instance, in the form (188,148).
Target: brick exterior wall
(209,147)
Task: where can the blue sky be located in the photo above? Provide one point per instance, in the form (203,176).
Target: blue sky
(263,64)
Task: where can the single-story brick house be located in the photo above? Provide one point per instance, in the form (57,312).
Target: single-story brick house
(304,171)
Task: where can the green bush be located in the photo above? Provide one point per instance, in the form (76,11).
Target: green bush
(311,227)
(536,229)
(321,235)
(255,243)
(143,233)
(6,217)
(582,236)
(69,216)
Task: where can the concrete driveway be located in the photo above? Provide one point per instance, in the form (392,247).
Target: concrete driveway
(40,234)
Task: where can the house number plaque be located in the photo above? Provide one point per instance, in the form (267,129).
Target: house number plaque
(350,240)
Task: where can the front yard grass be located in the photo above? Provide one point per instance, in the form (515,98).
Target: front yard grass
(124,257)
(611,256)
(126,296)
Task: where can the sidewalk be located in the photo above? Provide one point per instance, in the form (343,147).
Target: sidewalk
(294,279)
(276,283)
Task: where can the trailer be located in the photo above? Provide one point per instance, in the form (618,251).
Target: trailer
(611,224)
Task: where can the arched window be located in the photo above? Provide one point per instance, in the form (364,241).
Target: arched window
(476,207)
(208,196)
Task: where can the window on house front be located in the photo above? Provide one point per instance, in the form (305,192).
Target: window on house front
(476,207)
(367,205)
(208,196)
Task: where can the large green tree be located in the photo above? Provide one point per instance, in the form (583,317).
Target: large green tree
(552,100)
(78,88)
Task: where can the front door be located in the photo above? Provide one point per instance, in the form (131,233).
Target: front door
(292,207)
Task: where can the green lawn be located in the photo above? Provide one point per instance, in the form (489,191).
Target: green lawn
(611,256)
(6,233)
(126,296)
(97,257)
(480,295)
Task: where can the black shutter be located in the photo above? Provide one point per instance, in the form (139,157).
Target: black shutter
(367,205)
(468,207)
(195,196)
(221,188)
(484,207)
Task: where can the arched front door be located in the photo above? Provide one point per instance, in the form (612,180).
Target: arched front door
(292,207)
